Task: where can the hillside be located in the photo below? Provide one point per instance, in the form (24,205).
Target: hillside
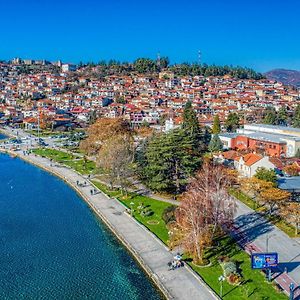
(289,77)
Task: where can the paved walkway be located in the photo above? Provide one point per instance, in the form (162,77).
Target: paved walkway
(180,283)
(256,234)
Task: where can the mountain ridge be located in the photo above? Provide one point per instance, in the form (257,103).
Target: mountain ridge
(286,76)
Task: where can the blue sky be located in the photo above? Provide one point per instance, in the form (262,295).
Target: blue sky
(260,34)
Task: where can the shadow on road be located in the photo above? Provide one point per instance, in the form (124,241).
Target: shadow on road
(251,226)
(288,266)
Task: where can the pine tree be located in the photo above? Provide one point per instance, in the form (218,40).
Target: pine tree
(170,161)
(190,120)
(282,116)
(192,128)
(232,122)
(296,117)
(270,117)
(215,144)
(216,129)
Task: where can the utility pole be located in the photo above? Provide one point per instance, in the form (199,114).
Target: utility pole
(158,59)
(199,57)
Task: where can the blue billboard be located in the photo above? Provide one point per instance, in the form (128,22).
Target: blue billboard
(264,260)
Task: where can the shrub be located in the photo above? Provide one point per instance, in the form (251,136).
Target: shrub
(147,212)
(168,214)
(234,279)
(223,259)
(229,268)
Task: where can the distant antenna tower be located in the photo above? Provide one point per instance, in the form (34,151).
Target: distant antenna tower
(158,59)
(199,57)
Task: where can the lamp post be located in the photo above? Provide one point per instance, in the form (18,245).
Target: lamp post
(292,286)
(267,241)
(268,271)
(221,279)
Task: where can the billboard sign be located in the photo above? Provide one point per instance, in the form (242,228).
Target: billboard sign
(264,260)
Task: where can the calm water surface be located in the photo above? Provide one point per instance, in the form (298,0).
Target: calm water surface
(53,247)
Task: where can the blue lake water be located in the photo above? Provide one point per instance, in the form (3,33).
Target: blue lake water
(53,247)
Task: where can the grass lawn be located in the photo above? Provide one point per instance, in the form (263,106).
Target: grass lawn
(243,198)
(255,285)
(153,222)
(75,162)
(47,133)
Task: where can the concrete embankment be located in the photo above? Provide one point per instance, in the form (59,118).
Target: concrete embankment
(146,248)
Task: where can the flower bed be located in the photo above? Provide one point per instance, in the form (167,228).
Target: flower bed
(230,270)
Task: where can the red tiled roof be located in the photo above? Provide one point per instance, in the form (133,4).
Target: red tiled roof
(251,158)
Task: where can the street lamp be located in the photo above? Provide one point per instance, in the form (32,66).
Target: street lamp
(292,286)
(267,241)
(268,271)
(221,279)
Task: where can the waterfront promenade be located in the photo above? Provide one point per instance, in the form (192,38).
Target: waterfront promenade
(153,255)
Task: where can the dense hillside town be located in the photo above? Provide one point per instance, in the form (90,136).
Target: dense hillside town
(150,94)
(63,96)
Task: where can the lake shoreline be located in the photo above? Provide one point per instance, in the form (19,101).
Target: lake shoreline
(98,214)
(149,252)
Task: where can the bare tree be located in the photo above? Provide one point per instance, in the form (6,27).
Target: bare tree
(116,157)
(205,207)
(101,131)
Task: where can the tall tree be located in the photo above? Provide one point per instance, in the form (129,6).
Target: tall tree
(216,129)
(215,144)
(145,65)
(116,157)
(170,160)
(102,130)
(282,116)
(270,117)
(190,120)
(291,212)
(266,174)
(192,128)
(254,187)
(232,122)
(296,117)
(273,197)
(205,207)
(164,62)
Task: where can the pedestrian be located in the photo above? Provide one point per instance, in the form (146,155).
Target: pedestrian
(95,191)
(77,182)
(91,192)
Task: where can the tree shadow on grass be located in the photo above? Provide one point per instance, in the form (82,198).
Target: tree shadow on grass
(230,291)
(226,246)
